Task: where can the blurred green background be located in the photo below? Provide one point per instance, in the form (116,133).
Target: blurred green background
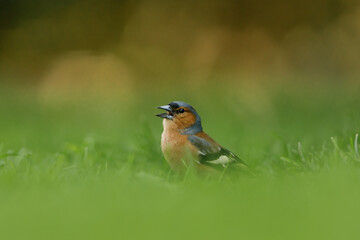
(276,82)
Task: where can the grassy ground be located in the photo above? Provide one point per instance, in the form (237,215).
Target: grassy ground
(94,169)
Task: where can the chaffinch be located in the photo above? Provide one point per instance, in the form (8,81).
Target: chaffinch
(184,143)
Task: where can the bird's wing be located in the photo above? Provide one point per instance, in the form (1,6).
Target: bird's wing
(212,153)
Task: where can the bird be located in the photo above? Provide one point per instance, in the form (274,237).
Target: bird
(184,143)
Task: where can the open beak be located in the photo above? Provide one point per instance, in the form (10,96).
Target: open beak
(168,115)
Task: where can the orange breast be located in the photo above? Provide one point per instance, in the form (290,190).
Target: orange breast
(177,149)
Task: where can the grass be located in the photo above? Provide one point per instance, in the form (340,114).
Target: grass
(94,170)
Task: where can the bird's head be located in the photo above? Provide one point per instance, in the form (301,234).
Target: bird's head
(182,116)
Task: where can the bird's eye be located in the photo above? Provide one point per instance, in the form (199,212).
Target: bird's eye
(181,110)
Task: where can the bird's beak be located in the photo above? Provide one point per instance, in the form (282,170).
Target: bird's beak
(168,115)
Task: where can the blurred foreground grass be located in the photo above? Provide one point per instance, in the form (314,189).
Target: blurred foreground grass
(93,169)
